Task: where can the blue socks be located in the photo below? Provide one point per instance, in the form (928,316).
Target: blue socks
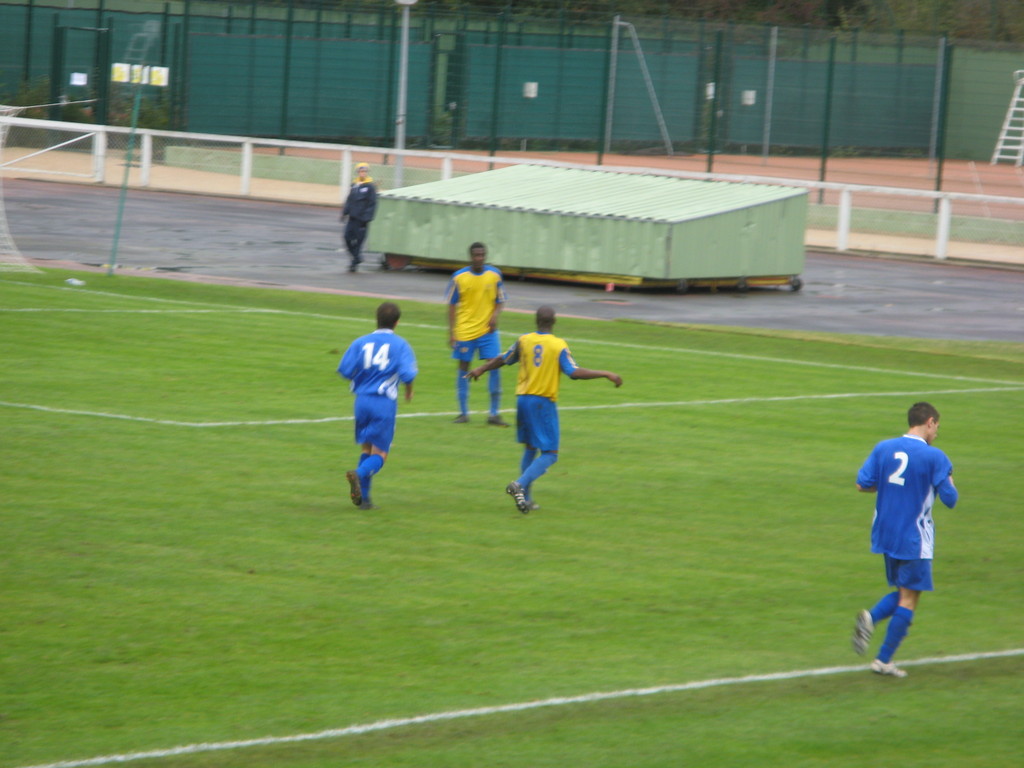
(369,465)
(899,625)
(537,468)
(462,390)
(494,384)
(885,607)
(900,620)
(529,454)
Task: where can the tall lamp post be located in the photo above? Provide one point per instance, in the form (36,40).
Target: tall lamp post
(403,87)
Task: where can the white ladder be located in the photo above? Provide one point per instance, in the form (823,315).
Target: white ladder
(1011,138)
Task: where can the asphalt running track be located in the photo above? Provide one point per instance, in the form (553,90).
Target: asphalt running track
(286,244)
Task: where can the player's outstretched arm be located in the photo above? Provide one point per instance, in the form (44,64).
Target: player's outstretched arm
(480,370)
(587,373)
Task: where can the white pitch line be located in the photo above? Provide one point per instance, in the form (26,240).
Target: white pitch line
(791,361)
(572,340)
(163,300)
(440,414)
(787,398)
(460,714)
(239,310)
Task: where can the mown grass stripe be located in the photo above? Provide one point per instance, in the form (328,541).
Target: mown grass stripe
(459,714)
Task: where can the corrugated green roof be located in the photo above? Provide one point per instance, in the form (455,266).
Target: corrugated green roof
(602,194)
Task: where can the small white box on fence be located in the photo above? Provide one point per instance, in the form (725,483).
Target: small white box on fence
(529,90)
(749,98)
(709,91)
(79,78)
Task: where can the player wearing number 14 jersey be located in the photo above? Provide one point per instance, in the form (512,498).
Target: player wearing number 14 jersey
(376,364)
(907,473)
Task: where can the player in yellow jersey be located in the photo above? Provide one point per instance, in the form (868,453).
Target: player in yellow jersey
(475,297)
(542,357)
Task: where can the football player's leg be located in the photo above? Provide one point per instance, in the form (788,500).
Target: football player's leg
(494,386)
(529,454)
(462,387)
(538,467)
(885,607)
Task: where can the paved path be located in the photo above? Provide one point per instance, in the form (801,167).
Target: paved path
(297,246)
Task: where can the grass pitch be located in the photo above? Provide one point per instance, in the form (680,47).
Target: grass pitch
(181,565)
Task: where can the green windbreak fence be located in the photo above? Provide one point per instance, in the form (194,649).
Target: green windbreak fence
(309,70)
(262,86)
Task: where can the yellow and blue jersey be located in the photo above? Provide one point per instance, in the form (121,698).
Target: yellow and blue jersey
(542,357)
(474,296)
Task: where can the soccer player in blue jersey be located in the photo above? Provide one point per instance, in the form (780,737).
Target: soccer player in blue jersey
(542,357)
(376,364)
(475,297)
(907,473)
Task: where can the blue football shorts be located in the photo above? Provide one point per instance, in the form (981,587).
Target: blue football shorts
(911,574)
(375,420)
(537,422)
(487,345)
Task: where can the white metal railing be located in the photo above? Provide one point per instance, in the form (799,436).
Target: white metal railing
(437,165)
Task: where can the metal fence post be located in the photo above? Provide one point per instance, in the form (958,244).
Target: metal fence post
(345,182)
(942,228)
(769,94)
(940,144)
(698,91)
(611,67)
(56,66)
(496,102)
(26,67)
(713,126)
(246,180)
(286,74)
(843,230)
(827,121)
(184,68)
(99,155)
(146,159)
(105,43)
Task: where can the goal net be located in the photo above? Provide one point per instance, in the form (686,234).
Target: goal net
(11,259)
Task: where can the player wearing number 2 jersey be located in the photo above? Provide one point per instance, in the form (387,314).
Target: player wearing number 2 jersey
(542,357)
(907,473)
(376,364)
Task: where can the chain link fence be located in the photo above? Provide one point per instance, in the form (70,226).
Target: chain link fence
(507,82)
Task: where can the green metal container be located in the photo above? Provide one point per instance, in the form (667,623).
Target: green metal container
(599,226)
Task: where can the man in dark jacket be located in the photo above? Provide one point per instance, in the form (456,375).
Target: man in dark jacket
(360,208)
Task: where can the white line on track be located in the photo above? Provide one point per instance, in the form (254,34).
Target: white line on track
(439,414)
(460,714)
